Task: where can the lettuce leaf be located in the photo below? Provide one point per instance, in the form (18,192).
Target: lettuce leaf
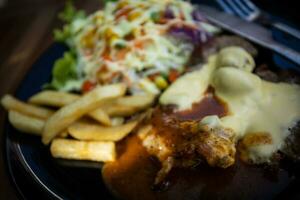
(106,1)
(64,71)
(68,15)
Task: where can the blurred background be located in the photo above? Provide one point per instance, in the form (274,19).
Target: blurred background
(26,31)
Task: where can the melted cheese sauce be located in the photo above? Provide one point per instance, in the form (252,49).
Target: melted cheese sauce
(258,106)
(254,105)
(189,88)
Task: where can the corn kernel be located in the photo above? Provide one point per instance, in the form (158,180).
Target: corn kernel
(98,19)
(160,82)
(133,15)
(148,86)
(112,39)
(109,33)
(87,40)
(122,4)
(136,32)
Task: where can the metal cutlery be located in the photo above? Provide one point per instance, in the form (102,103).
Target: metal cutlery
(250,12)
(251,31)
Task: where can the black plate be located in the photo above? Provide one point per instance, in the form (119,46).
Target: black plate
(37,175)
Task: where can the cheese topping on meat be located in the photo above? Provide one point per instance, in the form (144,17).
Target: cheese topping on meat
(255,105)
(189,88)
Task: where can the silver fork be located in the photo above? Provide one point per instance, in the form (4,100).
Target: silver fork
(250,12)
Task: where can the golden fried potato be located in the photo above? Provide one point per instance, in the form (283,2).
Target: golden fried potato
(88,131)
(53,98)
(71,112)
(11,103)
(117,121)
(63,134)
(60,99)
(26,123)
(83,150)
(127,106)
(100,116)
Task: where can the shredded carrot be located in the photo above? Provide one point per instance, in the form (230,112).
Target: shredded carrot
(121,54)
(106,54)
(140,44)
(102,69)
(181,15)
(106,57)
(173,75)
(162,20)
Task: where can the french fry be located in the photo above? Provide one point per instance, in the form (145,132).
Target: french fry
(29,124)
(118,111)
(83,150)
(26,123)
(138,101)
(100,116)
(127,106)
(53,98)
(63,134)
(117,121)
(124,106)
(60,99)
(71,112)
(88,131)
(11,103)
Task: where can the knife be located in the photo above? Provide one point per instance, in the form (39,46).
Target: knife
(253,32)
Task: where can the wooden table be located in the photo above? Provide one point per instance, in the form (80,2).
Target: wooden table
(25,32)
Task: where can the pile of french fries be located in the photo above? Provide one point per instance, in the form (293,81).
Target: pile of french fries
(84,127)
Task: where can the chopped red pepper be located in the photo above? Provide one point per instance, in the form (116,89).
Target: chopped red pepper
(173,75)
(87,86)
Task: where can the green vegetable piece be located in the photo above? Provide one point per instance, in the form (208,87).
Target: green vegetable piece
(120,45)
(70,13)
(64,70)
(62,35)
(107,1)
(155,16)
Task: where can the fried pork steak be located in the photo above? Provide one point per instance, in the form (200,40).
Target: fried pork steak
(178,143)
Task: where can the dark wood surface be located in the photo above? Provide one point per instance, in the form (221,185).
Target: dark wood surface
(25,32)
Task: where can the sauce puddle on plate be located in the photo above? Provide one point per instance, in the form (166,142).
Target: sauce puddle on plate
(133,174)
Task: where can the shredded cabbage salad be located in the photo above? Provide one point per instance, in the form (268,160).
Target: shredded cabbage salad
(145,44)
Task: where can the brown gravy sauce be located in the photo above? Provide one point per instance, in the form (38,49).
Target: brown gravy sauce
(209,105)
(132,175)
